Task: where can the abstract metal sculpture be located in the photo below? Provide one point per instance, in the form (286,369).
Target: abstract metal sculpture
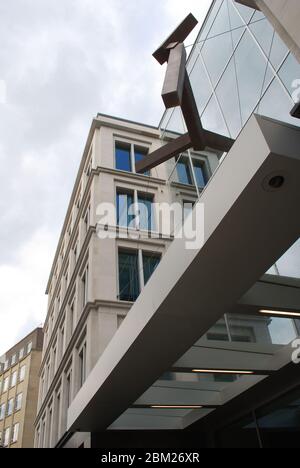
(177,91)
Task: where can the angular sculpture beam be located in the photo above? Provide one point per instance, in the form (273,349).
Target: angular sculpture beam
(175,75)
(179,35)
(177,91)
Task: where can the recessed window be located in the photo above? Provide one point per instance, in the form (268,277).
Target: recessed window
(150,263)
(139,155)
(15,433)
(13,359)
(10,406)
(22,373)
(2,411)
(21,353)
(29,347)
(19,398)
(125,209)
(129,288)
(123,157)
(200,173)
(135,270)
(128,155)
(82,364)
(184,171)
(6,437)
(146,215)
(5,384)
(14,379)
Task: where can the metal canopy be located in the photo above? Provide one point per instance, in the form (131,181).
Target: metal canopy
(249,223)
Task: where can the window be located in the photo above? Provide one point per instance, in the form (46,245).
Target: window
(13,359)
(123,157)
(10,406)
(22,373)
(18,404)
(150,263)
(5,384)
(6,437)
(2,411)
(6,365)
(86,220)
(29,347)
(146,215)
(129,289)
(184,171)
(139,155)
(125,209)
(200,173)
(82,364)
(68,388)
(135,268)
(15,433)
(14,379)
(84,281)
(128,155)
(21,353)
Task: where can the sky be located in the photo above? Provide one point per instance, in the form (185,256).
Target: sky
(60,64)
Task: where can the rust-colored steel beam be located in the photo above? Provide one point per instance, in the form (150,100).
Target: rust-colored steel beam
(191,115)
(218,142)
(175,76)
(179,35)
(166,152)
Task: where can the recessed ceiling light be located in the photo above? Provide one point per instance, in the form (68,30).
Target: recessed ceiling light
(176,407)
(223,371)
(281,313)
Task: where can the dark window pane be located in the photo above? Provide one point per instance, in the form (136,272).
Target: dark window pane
(123,161)
(184,172)
(150,263)
(146,213)
(125,215)
(139,155)
(128,276)
(200,174)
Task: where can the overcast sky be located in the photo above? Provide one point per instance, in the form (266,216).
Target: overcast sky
(62,62)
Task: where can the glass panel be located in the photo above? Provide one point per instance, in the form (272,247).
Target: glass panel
(146,215)
(128,276)
(290,75)
(263,330)
(212,118)
(289,263)
(139,155)
(277,104)
(271,44)
(125,216)
(123,160)
(209,20)
(221,23)
(150,263)
(200,173)
(200,84)
(184,171)
(252,79)
(246,12)
(228,96)
(216,53)
(174,121)
(258,15)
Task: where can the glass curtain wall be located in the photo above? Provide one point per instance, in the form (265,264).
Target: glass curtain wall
(238,66)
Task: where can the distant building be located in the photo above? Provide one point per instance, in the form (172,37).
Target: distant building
(19,380)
